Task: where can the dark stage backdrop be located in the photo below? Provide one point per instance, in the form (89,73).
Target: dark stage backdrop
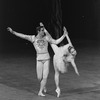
(81,18)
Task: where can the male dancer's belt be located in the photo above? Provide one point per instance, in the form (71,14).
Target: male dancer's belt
(42,53)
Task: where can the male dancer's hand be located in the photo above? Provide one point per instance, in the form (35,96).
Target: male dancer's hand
(10,30)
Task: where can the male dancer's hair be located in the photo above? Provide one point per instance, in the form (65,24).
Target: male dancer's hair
(39,28)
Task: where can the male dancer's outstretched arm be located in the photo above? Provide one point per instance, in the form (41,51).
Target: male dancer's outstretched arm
(50,37)
(53,41)
(27,37)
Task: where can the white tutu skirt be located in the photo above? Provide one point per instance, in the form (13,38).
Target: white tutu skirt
(59,64)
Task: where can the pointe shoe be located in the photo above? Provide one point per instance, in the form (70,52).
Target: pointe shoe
(41,94)
(58,92)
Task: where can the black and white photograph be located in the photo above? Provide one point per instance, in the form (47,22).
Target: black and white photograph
(49,49)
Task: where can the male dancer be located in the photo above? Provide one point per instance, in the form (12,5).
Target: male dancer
(63,55)
(40,43)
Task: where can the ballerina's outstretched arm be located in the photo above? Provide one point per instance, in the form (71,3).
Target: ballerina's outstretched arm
(68,39)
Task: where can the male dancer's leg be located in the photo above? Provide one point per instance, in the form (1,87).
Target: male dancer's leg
(44,78)
(46,72)
(56,77)
(39,70)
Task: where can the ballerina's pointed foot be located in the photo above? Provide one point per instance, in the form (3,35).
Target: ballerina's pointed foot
(41,94)
(58,92)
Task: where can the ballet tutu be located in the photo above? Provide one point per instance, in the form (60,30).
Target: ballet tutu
(60,64)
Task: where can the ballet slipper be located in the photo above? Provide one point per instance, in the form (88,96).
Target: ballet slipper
(41,94)
(58,92)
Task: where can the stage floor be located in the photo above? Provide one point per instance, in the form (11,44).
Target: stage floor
(18,78)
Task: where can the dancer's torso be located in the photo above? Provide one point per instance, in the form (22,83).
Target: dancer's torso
(41,47)
(60,51)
